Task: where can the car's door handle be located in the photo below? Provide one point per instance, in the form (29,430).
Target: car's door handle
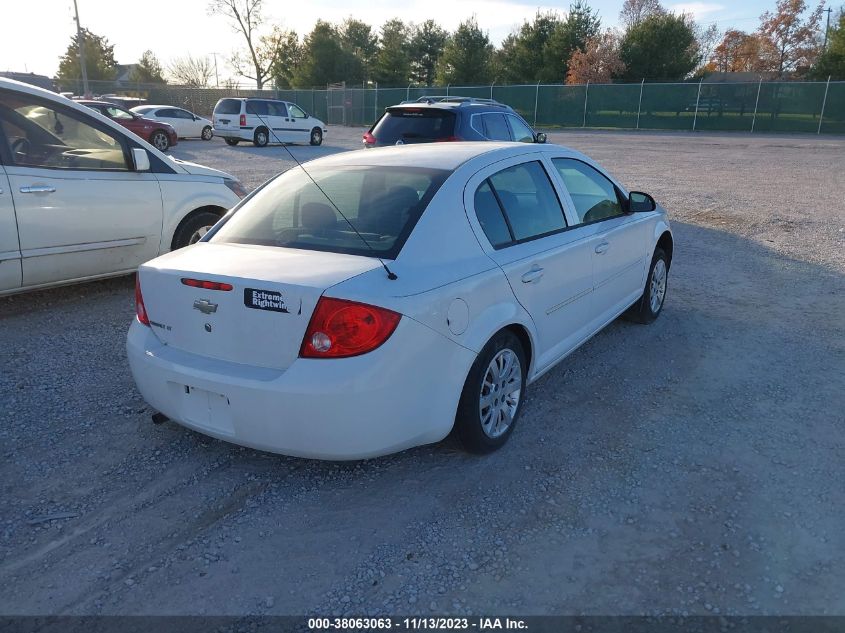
(601,248)
(532,275)
(38,189)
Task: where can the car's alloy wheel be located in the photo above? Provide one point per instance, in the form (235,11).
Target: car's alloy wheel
(207,133)
(498,401)
(261,138)
(159,140)
(316,136)
(657,292)
(493,394)
(650,304)
(197,235)
(194,228)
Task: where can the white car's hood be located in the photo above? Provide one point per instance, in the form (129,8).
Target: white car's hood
(200,170)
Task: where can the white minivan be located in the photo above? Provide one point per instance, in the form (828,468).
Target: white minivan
(83,198)
(265,121)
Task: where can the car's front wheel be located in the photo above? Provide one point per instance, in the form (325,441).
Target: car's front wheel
(159,140)
(493,394)
(232,141)
(316,136)
(650,304)
(207,133)
(194,228)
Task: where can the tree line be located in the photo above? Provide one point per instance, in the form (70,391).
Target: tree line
(652,43)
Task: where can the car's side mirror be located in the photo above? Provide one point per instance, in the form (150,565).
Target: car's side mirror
(141,159)
(639,202)
(539,137)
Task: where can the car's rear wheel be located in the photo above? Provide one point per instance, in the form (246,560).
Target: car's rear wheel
(493,394)
(159,140)
(316,136)
(650,304)
(194,228)
(207,133)
(231,141)
(261,138)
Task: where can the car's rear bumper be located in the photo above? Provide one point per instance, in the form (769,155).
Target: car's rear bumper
(403,394)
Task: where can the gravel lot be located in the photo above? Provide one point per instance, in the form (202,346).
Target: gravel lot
(692,466)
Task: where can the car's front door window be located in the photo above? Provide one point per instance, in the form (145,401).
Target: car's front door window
(593,194)
(296,112)
(520,131)
(118,113)
(47,136)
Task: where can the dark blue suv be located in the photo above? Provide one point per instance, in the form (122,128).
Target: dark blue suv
(433,119)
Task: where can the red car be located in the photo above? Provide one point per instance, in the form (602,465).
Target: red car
(160,135)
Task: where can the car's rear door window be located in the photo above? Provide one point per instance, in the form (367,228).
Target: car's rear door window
(490,216)
(260,108)
(378,207)
(414,125)
(528,199)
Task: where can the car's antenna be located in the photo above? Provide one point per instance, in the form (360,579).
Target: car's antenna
(390,274)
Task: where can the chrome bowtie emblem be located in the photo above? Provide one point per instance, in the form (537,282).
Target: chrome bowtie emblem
(205,306)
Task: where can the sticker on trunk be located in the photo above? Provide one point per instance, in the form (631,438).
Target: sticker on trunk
(264,300)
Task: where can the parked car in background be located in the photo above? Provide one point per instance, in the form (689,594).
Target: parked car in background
(160,135)
(186,123)
(82,198)
(265,121)
(425,293)
(438,119)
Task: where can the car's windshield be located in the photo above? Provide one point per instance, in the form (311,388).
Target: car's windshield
(382,204)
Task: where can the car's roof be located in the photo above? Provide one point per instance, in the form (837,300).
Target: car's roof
(436,155)
(154,107)
(95,102)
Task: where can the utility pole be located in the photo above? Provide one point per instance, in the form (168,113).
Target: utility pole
(81,38)
(827,29)
(216,78)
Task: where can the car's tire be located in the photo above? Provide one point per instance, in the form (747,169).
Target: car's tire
(207,133)
(316,136)
(231,141)
(650,304)
(493,395)
(261,137)
(194,228)
(159,140)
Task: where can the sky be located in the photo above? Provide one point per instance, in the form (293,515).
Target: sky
(173,28)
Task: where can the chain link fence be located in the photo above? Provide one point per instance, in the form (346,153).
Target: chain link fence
(809,107)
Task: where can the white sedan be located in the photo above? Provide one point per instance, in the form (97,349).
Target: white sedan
(416,290)
(186,123)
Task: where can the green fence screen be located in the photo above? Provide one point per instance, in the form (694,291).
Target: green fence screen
(811,107)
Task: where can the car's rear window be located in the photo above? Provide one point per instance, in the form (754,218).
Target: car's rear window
(228,106)
(382,204)
(414,125)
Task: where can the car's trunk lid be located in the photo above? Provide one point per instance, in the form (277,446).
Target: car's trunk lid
(262,319)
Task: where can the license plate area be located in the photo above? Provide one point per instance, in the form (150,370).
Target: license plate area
(205,409)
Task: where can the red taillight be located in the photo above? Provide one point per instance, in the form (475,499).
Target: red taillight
(140,310)
(369,139)
(340,328)
(448,139)
(243,120)
(206,285)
